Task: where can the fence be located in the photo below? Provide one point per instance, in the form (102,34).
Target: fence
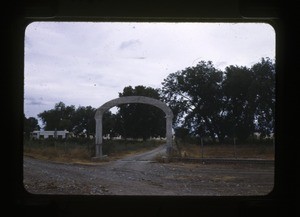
(253,149)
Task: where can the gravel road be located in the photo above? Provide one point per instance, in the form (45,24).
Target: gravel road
(140,175)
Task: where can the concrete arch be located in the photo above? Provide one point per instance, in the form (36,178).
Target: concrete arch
(127,100)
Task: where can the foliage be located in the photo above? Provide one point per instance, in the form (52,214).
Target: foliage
(79,121)
(58,118)
(30,124)
(194,94)
(238,102)
(264,91)
(249,96)
(83,121)
(140,120)
(234,103)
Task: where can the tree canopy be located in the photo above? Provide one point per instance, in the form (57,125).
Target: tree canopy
(62,117)
(233,103)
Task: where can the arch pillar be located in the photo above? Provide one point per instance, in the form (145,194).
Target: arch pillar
(98,137)
(169,135)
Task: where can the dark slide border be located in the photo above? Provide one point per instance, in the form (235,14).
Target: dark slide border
(282,16)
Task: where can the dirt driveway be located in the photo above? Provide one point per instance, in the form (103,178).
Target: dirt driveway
(140,175)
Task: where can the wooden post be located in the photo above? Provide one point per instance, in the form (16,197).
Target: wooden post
(202,151)
(234,147)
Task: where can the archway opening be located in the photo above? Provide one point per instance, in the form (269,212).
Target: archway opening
(128,100)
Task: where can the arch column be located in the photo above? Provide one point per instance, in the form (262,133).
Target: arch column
(169,133)
(99,137)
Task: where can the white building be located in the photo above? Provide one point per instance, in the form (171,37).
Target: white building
(58,134)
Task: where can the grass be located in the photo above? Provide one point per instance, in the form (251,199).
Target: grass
(263,151)
(82,150)
(244,151)
(75,154)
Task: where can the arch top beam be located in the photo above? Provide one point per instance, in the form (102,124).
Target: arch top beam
(133,99)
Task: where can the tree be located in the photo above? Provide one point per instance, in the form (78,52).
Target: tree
(263,94)
(83,121)
(250,99)
(80,121)
(110,123)
(234,103)
(238,102)
(139,120)
(182,133)
(194,95)
(59,118)
(30,124)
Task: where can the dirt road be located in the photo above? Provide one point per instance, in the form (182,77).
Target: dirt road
(140,175)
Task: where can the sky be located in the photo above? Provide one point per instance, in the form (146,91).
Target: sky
(88,64)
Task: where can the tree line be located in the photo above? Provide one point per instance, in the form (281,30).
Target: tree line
(206,102)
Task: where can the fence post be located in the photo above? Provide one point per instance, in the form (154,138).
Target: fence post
(234,147)
(202,148)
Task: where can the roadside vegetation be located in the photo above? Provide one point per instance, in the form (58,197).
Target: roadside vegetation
(264,151)
(252,148)
(82,150)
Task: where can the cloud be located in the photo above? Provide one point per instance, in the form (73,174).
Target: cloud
(137,57)
(129,44)
(34,101)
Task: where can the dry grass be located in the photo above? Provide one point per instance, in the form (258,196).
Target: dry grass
(256,151)
(77,154)
(72,153)
(80,153)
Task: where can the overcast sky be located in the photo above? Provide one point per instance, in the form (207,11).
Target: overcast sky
(86,64)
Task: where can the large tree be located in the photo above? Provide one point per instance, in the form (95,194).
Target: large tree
(263,94)
(140,120)
(238,102)
(83,121)
(194,95)
(233,103)
(59,118)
